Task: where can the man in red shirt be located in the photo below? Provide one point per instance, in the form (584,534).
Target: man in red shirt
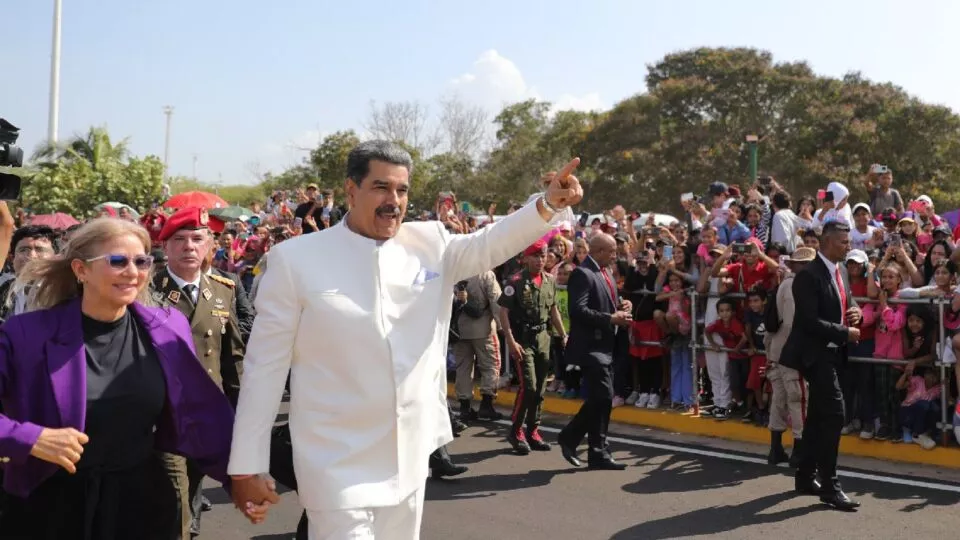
(754,266)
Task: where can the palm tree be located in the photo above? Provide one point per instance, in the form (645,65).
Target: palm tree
(95,148)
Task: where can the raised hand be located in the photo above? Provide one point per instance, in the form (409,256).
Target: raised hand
(563,188)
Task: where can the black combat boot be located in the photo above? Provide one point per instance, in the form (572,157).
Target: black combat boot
(797,453)
(487,412)
(467,414)
(777,453)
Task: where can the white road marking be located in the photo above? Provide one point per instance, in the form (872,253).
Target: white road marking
(762,461)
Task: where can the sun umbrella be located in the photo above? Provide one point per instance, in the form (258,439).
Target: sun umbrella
(196,198)
(231,213)
(117,206)
(55,221)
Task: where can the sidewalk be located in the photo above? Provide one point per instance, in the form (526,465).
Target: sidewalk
(738,431)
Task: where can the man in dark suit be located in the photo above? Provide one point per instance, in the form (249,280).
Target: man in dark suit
(825,321)
(596,315)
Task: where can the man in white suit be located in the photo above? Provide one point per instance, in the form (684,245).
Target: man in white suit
(366,341)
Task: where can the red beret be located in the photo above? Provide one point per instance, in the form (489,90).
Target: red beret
(535,248)
(191,218)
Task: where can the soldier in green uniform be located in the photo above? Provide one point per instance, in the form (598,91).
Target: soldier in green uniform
(207,301)
(527,306)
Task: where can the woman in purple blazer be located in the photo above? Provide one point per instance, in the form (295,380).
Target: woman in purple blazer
(94,383)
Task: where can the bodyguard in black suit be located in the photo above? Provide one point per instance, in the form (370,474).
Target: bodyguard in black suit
(596,315)
(824,322)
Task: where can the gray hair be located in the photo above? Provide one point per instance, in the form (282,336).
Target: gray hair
(358,162)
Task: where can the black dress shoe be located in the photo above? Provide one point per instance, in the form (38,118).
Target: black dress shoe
(569,453)
(444,469)
(840,501)
(605,464)
(807,487)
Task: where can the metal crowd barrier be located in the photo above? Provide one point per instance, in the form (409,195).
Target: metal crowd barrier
(945,424)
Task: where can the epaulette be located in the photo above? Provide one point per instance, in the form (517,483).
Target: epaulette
(226,281)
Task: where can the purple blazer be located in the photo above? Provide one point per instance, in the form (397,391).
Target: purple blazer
(43,380)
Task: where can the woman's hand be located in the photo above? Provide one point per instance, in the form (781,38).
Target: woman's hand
(61,447)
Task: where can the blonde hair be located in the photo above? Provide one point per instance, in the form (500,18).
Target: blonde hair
(55,278)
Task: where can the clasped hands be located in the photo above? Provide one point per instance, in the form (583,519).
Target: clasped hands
(253,495)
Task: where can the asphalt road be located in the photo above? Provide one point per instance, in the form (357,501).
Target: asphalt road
(673,488)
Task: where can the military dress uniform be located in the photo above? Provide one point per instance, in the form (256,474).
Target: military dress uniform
(529,308)
(208,305)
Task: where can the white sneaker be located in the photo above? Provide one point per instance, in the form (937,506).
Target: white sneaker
(925,442)
(617,402)
(852,427)
(654,401)
(632,398)
(642,401)
(866,435)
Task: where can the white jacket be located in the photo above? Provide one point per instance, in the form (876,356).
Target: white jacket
(363,325)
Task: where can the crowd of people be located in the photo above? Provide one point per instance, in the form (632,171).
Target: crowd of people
(698,314)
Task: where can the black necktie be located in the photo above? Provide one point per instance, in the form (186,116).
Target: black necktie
(189,289)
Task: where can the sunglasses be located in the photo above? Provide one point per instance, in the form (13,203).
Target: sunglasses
(121,262)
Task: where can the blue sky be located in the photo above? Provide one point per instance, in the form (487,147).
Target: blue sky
(252,80)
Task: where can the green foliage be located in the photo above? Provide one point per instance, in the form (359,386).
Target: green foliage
(87,171)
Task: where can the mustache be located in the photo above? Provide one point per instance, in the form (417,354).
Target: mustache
(388,210)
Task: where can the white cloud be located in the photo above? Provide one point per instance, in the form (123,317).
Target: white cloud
(494,81)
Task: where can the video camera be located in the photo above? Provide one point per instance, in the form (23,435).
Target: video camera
(11,155)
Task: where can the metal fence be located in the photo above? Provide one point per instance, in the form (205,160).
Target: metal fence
(945,424)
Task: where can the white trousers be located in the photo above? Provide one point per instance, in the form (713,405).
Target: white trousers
(719,380)
(400,522)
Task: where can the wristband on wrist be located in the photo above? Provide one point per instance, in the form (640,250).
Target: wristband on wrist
(547,205)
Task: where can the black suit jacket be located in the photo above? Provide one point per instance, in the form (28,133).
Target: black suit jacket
(592,336)
(817,320)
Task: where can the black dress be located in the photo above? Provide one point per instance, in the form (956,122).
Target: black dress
(121,490)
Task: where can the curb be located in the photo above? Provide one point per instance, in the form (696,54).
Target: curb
(738,431)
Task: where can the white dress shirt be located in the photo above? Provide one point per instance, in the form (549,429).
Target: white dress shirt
(832,268)
(181,283)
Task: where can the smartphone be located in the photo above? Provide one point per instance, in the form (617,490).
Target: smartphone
(821,194)
(741,249)
(297,222)
(784,259)
(896,240)
(668,252)
(879,169)
(686,197)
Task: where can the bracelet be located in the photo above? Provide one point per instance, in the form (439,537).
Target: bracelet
(543,199)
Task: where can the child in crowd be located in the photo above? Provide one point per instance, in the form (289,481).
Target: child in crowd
(811,239)
(919,410)
(889,321)
(565,376)
(678,327)
(754,334)
(717,362)
(859,376)
(728,332)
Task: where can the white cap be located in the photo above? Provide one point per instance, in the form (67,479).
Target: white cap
(925,199)
(858,206)
(857,256)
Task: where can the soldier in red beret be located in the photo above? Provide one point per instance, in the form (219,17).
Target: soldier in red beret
(208,301)
(527,305)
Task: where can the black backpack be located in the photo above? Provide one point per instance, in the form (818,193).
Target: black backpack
(771,315)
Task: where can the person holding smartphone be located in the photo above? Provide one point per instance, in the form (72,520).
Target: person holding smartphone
(878,181)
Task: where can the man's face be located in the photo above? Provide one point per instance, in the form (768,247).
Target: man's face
(379,201)
(312,194)
(563,274)
(29,249)
(606,255)
(536,262)
(835,246)
(186,251)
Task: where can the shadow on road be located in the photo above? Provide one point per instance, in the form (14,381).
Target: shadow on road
(489,485)
(714,520)
(678,473)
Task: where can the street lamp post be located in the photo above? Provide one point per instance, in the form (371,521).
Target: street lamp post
(168,110)
(54,113)
(752,141)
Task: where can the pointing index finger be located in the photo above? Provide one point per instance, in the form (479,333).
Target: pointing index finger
(568,169)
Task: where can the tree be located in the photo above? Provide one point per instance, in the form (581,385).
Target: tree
(329,159)
(402,121)
(462,128)
(87,170)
